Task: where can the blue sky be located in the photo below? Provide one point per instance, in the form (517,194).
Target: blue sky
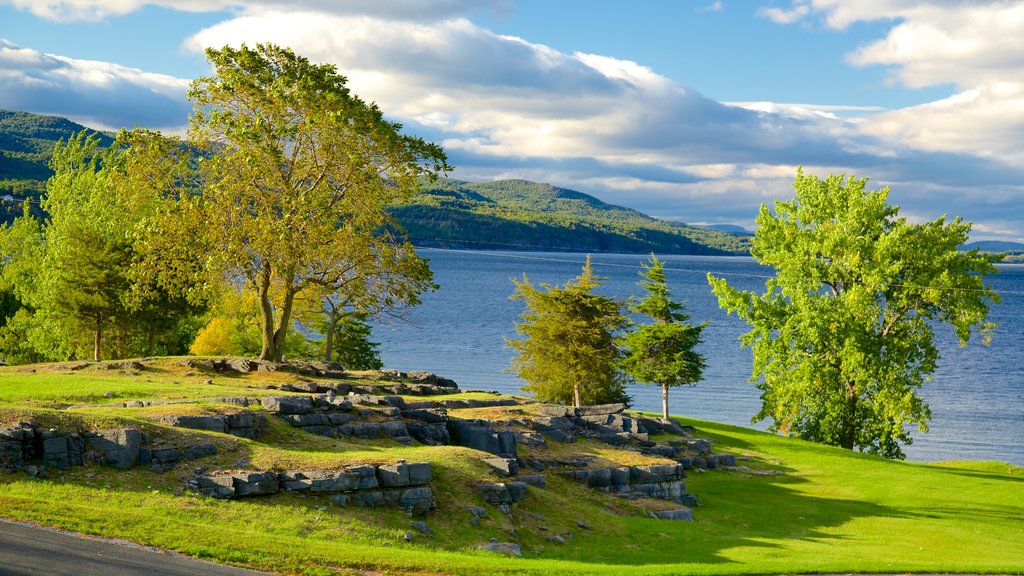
(698,111)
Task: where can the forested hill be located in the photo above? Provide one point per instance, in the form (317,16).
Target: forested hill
(507,214)
(522,215)
(26,143)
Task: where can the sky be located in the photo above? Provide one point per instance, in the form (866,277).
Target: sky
(698,110)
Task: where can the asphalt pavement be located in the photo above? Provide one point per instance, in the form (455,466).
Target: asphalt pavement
(26,549)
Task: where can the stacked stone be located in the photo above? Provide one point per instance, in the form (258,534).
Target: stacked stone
(122,448)
(245,424)
(661,481)
(404,485)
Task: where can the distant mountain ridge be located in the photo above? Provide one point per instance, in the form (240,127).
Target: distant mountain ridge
(524,215)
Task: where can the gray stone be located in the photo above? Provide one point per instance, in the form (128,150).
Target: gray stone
(503,466)
(394,429)
(556,539)
(429,415)
(340,418)
(304,420)
(684,514)
(507,548)
(537,480)
(421,527)
(287,404)
(655,473)
(367,476)
(416,500)
(419,473)
(55,452)
(726,459)
(553,410)
(429,434)
(599,409)
(454,404)
(476,434)
(700,445)
(165,455)
(341,499)
(393,475)
(516,490)
(319,481)
(119,448)
(256,484)
(368,498)
(211,423)
(200,450)
(214,486)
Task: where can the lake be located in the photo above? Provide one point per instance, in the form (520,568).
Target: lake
(976,397)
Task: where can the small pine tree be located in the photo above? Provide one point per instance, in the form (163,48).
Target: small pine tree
(662,352)
(569,353)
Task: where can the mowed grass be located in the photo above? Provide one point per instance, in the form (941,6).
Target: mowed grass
(826,511)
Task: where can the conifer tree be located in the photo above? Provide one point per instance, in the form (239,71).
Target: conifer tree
(662,352)
(569,353)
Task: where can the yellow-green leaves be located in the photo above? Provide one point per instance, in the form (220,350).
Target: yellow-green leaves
(842,338)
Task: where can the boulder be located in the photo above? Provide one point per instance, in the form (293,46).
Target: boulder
(214,486)
(287,404)
(416,500)
(319,481)
(119,448)
(211,423)
(503,466)
(536,480)
(429,434)
(507,548)
(428,415)
(255,484)
(367,476)
(599,409)
(200,450)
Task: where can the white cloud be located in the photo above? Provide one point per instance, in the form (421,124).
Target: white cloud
(69,10)
(782,16)
(98,94)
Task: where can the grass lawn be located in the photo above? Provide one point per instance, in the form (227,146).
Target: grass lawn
(801,508)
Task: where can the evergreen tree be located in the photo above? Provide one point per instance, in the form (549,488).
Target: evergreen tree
(662,352)
(569,353)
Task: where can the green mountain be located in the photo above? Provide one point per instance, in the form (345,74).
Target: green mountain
(26,143)
(507,214)
(522,215)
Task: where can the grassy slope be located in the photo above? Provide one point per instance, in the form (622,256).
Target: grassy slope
(829,510)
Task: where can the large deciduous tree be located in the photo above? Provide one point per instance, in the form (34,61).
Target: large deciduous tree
(843,336)
(569,353)
(298,174)
(664,351)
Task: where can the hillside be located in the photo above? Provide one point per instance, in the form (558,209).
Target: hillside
(510,214)
(523,215)
(307,469)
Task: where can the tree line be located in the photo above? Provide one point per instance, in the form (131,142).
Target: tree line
(271,211)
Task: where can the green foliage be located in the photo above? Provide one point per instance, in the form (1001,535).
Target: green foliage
(351,344)
(842,338)
(298,174)
(82,275)
(663,352)
(569,353)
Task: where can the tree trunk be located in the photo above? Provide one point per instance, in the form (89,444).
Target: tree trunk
(283,325)
(332,325)
(149,342)
(664,401)
(577,395)
(97,336)
(850,421)
(267,351)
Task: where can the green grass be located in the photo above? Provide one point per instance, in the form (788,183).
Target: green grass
(828,511)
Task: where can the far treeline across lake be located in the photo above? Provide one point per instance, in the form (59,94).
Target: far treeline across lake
(977,396)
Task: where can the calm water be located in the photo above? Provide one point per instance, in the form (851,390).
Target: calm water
(977,396)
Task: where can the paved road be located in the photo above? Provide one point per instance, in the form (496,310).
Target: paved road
(28,549)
